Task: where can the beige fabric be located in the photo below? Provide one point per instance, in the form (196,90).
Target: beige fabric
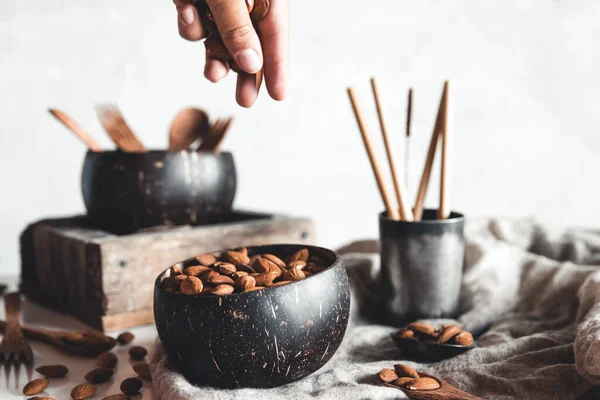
(540,287)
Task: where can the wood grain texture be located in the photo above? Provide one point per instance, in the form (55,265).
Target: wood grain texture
(107,281)
(399,187)
(119,131)
(444,207)
(188,126)
(74,127)
(391,211)
(425,176)
(445,392)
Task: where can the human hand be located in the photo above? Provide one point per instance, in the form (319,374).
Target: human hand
(252,54)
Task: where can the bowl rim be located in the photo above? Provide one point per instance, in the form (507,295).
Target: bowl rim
(158,280)
(154,152)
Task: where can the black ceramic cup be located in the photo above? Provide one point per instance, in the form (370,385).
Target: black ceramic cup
(258,339)
(126,192)
(421,267)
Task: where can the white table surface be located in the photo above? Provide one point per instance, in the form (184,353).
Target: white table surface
(11,386)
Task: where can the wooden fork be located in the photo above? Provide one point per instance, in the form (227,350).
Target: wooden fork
(14,346)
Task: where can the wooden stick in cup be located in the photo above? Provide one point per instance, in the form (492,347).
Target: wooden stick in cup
(435,136)
(392,213)
(407,139)
(444,208)
(405,211)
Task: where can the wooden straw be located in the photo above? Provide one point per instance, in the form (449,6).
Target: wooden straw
(392,213)
(418,209)
(444,208)
(405,211)
(407,139)
(74,127)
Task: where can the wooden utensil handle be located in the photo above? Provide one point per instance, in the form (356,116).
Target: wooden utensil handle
(12,305)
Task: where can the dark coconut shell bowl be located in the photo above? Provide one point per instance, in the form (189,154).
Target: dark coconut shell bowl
(258,339)
(126,192)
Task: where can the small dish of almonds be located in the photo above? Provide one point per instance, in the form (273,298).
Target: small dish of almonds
(423,342)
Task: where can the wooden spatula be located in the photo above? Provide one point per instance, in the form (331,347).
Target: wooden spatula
(445,392)
(188,126)
(216,135)
(74,127)
(111,118)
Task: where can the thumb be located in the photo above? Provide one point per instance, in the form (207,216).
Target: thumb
(237,32)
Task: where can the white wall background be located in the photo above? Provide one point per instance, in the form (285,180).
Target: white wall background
(525,77)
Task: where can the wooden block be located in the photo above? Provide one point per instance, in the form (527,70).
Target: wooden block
(107,280)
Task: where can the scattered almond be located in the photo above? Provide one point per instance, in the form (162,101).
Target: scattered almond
(125,338)
(99,375)
(206,259)
(196,270)
(274,259)
(422,384)
(220,280)
(294,275)
(131,386)
(222,290)
(299,264)
(235,257)
(265,278)
(143,370)
(262,265)
(422,328)
(175,270)
(41,398)
(299,255)
(405,371)
(138,352)
(464,339)
(117,397)
(448,333)
(83,391)
(35,386)
(107,360)
(245,283)
(53,371)
(224,268)
(402,381)
(191,286)
(406,334)
(387,375)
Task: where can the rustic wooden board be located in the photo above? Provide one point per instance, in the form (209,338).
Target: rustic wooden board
(107,280)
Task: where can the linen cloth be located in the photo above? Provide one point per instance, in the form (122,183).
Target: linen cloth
(538,287)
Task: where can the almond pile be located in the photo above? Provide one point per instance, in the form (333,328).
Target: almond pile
(407,378)
(451,334)
(235,271)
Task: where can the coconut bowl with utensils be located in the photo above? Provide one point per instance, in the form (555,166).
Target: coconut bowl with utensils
(264,338)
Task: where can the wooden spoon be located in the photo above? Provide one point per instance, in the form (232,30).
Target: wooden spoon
(56,339)
(216,135)
(76,129)
(188,126)
(118,130)
(445,392)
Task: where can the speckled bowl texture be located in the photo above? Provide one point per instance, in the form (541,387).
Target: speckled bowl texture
(126,192)
(258,339)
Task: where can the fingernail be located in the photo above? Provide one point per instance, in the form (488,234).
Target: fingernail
(249,61)
(187,15)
